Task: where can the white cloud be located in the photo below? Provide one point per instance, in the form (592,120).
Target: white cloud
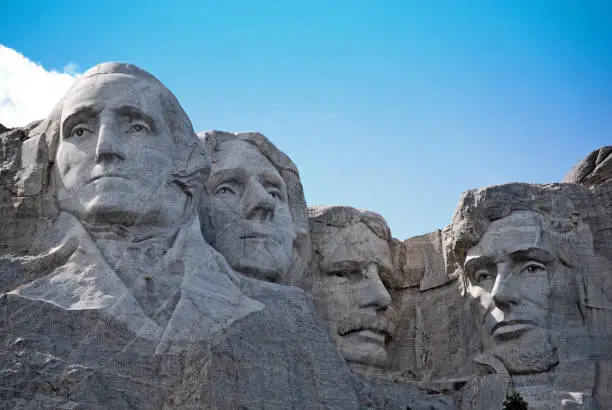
(28,92)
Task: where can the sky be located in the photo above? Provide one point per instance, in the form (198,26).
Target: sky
(393,106)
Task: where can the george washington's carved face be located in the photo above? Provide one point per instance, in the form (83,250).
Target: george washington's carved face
(115,153)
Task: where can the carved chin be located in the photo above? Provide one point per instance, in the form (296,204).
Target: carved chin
(258,270)
(259,258)
(112,208)
(364,354)
(532,353)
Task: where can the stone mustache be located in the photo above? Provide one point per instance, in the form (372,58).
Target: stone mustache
(147,266)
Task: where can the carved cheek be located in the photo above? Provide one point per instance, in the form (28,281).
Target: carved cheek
(70,163)
(223,210)
(536,290)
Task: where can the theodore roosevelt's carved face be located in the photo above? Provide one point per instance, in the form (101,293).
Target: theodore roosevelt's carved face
(350,294)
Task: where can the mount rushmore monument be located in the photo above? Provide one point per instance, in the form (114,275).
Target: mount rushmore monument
(144,265)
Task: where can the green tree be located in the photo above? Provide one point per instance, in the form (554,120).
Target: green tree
(514,401)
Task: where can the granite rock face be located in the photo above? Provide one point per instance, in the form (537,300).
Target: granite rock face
(595,168)
(143,265)
(111,297)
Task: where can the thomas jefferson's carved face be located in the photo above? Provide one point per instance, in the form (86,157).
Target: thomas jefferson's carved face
(350,294)
(508,274)
(245,214)
(116,152)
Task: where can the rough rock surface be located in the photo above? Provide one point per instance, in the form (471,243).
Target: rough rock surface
(595,168)
(84,359)
(419,261)
(26,207)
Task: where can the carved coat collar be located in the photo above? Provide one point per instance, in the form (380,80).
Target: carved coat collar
(209,299)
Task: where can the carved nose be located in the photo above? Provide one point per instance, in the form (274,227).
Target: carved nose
(108,145)
(259,203)
(374,293)
(504,292)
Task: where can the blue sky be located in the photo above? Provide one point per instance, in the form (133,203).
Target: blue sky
(392,106)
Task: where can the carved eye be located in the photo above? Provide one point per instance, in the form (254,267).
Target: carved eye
(78,131)
(275,194)
(224,189)
(139,129)
(483,275)
(352,275)
(533,267)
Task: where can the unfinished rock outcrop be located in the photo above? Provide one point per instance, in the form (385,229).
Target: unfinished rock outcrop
(595,168)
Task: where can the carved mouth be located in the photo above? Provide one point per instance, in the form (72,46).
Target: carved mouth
(109,175)
(368,335)
(512,328)
(253,235)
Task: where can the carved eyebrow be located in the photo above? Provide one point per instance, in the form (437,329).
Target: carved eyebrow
(272,179)
(352,264)
(343,265)
(537,254)
(236,174)
(135,112)
(81,113)
(475,263)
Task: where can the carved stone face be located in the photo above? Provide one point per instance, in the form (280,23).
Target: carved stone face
(245,215)
(350,295)
(115,153)
(509,278)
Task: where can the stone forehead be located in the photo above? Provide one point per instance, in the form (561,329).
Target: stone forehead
(355,242)
(519,230)
(236,153)
(116,88)
(517,224)
(338,216)
(174,115)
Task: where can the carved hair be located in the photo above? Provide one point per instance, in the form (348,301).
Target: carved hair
(345,216)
